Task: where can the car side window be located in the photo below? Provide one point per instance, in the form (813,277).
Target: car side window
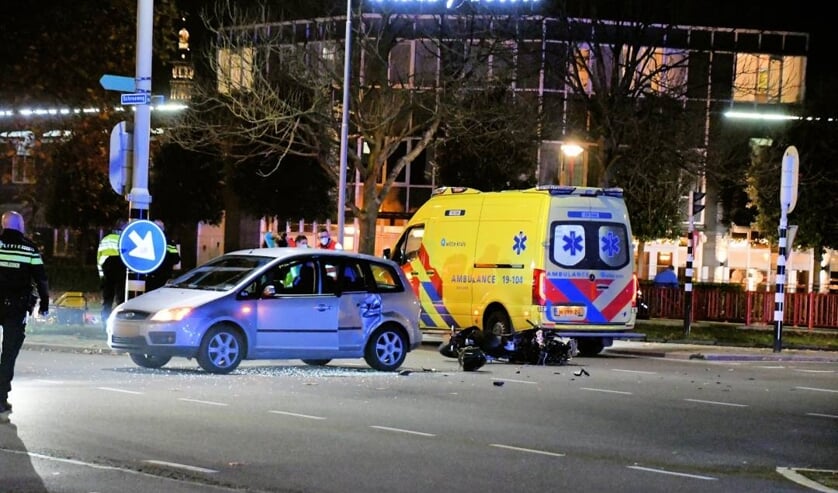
(386,278)
(329,274)
(352,277)
(295,277)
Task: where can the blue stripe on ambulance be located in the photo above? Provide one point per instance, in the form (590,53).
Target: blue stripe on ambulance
(573,295)
(438,305)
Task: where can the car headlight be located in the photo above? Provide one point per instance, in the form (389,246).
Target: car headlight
(171,314)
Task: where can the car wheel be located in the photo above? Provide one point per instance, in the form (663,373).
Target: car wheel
(386,348)
(222,349)
(149,360)
(589,346)
(316,362)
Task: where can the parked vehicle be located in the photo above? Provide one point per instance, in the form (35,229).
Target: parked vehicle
(273,303)
(553,257)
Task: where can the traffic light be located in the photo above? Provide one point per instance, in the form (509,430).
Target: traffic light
(698,205)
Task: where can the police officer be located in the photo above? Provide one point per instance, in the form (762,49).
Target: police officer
(158,277)
(112,270)
(21,267)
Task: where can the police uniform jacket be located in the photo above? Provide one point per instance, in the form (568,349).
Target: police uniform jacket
(21,266)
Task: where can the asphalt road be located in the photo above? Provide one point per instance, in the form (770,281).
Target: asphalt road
(96,422)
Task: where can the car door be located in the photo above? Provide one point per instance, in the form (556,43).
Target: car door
(296,318)
(354,285)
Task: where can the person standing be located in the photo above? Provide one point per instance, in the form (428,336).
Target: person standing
(327,242)
(112,271)
(301,241)
(21,268)
(158,277)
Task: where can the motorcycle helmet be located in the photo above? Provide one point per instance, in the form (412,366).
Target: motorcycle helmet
(471,358)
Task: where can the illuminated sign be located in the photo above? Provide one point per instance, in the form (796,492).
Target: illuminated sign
(456,3)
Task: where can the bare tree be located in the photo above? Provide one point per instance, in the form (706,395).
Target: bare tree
(278,91)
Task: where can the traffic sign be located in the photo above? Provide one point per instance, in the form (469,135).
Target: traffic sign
(119,83)
(789,178)
(135,98)
(142,246)
(121,154)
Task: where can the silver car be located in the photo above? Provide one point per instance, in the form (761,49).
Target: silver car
(274,303)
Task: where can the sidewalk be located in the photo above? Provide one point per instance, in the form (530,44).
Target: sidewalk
(91,340)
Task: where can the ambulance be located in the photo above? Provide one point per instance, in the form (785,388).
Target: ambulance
(550,257)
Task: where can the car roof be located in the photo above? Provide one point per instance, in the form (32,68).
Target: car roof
(283,252)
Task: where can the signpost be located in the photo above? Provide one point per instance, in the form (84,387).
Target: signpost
(132,99)
(118,83)
(121,154)
(788,199)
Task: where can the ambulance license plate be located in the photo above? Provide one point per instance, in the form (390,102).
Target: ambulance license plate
(565,311)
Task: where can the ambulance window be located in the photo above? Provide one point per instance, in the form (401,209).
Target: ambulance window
(568,244)
(612,244)
(408,247)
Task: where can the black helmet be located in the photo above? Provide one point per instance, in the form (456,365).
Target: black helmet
(471,358)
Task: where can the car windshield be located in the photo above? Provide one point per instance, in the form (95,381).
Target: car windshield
(220,274)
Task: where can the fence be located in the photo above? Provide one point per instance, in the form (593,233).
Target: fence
(721,304)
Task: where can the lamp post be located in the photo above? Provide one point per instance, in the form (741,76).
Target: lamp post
(344,125)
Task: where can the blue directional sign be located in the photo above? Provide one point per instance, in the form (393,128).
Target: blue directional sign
(119,83)
(135,98)
(142,246)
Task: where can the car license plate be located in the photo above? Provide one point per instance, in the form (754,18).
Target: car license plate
(565,311)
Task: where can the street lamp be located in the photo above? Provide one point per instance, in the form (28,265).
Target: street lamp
(344,125)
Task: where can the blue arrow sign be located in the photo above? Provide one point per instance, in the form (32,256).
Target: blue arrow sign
(119,83)
(142,246)
(135,98)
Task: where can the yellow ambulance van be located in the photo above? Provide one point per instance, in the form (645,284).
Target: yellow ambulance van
(552,257)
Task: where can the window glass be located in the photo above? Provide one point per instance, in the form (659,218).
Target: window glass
(568,244)
(386,278)
(612,245)
(408,247)
(352,277)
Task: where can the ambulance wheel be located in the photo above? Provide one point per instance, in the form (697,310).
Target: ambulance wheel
(589,346)
(497,325)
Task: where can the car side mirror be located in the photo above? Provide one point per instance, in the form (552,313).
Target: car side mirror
(387,252)
(269,291)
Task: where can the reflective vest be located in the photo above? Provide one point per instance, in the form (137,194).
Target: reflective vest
(108,247)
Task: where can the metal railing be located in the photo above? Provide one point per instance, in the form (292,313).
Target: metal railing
(716,304)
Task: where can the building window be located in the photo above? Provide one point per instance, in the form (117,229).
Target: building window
(661,70)
(235,69)
(761,78)
(23,169)
(582,68)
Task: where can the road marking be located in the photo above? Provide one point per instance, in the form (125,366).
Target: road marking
(180,466)
(771,367)
(532,451)
(53,382)
(819,415)
(111,389)
(717,403)
(296,415)
(209,403)
(815,389)
(636,371)
(670,473)
(399,430)
(607,391)
(801,370)
(514,381)
(792,474)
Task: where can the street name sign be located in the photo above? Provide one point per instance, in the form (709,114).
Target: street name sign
(135,98)
(119,83)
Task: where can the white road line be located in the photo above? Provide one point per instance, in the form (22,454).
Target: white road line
(296,415)
(815,389)
(792,474)
(681,474)
(770,367)
(53,382)
(607,391)
(181,466)
(532,451)
(801,370)
(717,403)
(399,430)
(636,371)
(209,403)
(111,389)
(514,381)
(819,415)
